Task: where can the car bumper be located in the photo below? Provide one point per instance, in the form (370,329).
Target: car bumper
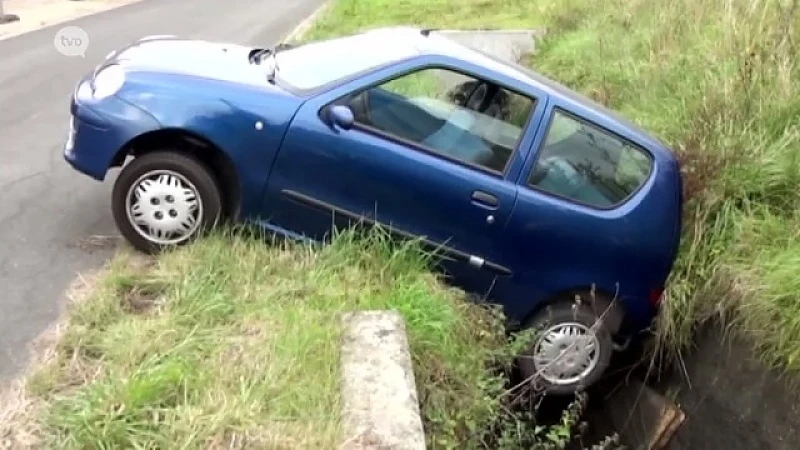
(88,149)
(98,130)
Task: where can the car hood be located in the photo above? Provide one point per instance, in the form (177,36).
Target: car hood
(214,60)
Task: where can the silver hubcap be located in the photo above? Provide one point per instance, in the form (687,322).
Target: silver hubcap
(566,353)
(164,207)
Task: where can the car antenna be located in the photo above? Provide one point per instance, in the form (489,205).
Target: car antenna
(427,31)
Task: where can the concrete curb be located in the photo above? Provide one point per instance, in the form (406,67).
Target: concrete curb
(511,45)
(306,24)
(380,405)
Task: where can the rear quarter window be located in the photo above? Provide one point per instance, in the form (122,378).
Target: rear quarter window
(585,164)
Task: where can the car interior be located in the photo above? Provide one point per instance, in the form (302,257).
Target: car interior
(577,162)
(584,164)
(460,128)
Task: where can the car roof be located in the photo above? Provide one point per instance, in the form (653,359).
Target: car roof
(404,41)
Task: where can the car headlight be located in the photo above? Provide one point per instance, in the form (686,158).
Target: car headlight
(108,81)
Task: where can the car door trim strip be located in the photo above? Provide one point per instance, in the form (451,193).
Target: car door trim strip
(449,252)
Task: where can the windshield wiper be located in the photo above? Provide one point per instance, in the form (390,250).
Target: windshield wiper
(273,69)
(257,56)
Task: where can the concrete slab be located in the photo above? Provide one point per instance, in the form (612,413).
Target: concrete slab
(380,404)
(510,45)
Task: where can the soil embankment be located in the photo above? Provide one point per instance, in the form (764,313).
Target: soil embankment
(731,400)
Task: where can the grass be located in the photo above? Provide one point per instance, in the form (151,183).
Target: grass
(345,16)
(718,81)
(231,343)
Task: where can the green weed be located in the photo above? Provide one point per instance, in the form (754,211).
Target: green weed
(233,343)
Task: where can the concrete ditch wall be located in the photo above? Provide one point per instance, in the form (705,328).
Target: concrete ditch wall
(508,45)
(380,403)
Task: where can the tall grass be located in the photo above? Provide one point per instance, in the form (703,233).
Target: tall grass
(230,343)
(718,81)
(346,16)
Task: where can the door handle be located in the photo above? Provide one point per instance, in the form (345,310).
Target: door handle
(485,198)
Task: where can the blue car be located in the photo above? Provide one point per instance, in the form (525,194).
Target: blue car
(539,200)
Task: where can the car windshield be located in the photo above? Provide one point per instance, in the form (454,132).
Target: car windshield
(317,64)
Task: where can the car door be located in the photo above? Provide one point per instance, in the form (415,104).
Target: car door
(417,159)
(580,205)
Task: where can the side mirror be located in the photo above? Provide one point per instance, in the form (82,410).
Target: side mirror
(341,116)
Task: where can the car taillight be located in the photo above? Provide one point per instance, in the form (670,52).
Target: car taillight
(656,295)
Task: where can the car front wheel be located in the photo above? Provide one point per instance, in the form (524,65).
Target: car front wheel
(571,349)
(165,199)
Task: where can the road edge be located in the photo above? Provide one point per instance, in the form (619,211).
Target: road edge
(306,24)
(63,20)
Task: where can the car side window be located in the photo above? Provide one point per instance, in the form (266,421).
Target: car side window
(447,113)
(585,164)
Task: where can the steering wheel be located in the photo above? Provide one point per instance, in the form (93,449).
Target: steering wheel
(477,98)
(359,104)
(365,107)
(483,97)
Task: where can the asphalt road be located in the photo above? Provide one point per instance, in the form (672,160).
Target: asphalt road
(50,214)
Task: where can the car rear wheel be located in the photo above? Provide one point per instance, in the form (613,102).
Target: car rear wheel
(165,199)
(571,349)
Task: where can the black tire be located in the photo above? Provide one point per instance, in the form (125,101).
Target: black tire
(204,183)
(562,313)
